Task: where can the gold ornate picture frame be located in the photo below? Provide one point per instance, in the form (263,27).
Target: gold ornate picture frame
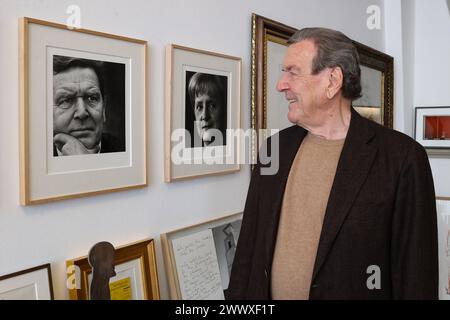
(136,274)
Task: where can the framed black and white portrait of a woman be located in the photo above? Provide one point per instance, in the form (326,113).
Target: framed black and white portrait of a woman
(203,106)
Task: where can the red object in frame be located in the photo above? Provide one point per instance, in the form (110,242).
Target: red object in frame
(437,128)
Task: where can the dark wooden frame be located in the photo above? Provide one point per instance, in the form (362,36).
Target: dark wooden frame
(22,272)
(144,250)
(262,28)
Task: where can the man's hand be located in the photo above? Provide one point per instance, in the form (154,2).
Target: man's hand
(69,145)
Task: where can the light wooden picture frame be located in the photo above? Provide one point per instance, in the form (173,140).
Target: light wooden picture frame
(30,284)
(86,141)
(198,258)
(199,141)
(136,274)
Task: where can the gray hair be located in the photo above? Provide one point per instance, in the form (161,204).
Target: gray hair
(64,63)
(334,49)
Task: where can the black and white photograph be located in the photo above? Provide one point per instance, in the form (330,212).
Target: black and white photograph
(88,106)
(225,240)
(206,109)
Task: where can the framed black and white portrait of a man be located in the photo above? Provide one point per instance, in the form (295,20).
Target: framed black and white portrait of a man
(83,107)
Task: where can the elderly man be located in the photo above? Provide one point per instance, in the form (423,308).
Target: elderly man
(350,214)
(79,108)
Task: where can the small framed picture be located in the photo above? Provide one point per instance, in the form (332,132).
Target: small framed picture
(136,274)
(443,219)
(203,106)
(198,258)
(432,129)
(31,284)
(82,114)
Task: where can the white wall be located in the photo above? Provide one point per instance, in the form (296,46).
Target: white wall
(393,33)
(55,232)
(416,35)
(432,71)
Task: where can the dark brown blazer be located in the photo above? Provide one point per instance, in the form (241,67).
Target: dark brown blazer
(381,211)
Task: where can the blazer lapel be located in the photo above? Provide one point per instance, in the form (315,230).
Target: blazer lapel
(352,170)
(288,147)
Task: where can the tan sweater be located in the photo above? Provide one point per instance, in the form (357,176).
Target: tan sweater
(302,213)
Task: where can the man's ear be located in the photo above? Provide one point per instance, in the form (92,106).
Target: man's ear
(336,79)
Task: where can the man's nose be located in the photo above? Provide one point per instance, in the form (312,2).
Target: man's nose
(80,109)
(282,83)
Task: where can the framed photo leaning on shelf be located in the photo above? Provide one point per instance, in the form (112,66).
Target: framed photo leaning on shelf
(198,258)
(30,284)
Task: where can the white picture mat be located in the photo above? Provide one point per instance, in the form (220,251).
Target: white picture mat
(130,269)
(443,218)
(198,269)
(89,162)
(43,185)
(30,286)
(277,105)
(222,66)
(420,126)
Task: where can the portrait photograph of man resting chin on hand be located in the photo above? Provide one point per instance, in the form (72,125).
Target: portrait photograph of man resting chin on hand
(88,106)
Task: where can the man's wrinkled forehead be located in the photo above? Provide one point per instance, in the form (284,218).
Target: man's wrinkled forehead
(300,55)
(76,79)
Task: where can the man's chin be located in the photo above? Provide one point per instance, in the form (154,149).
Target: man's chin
(89,143)
(293,118)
